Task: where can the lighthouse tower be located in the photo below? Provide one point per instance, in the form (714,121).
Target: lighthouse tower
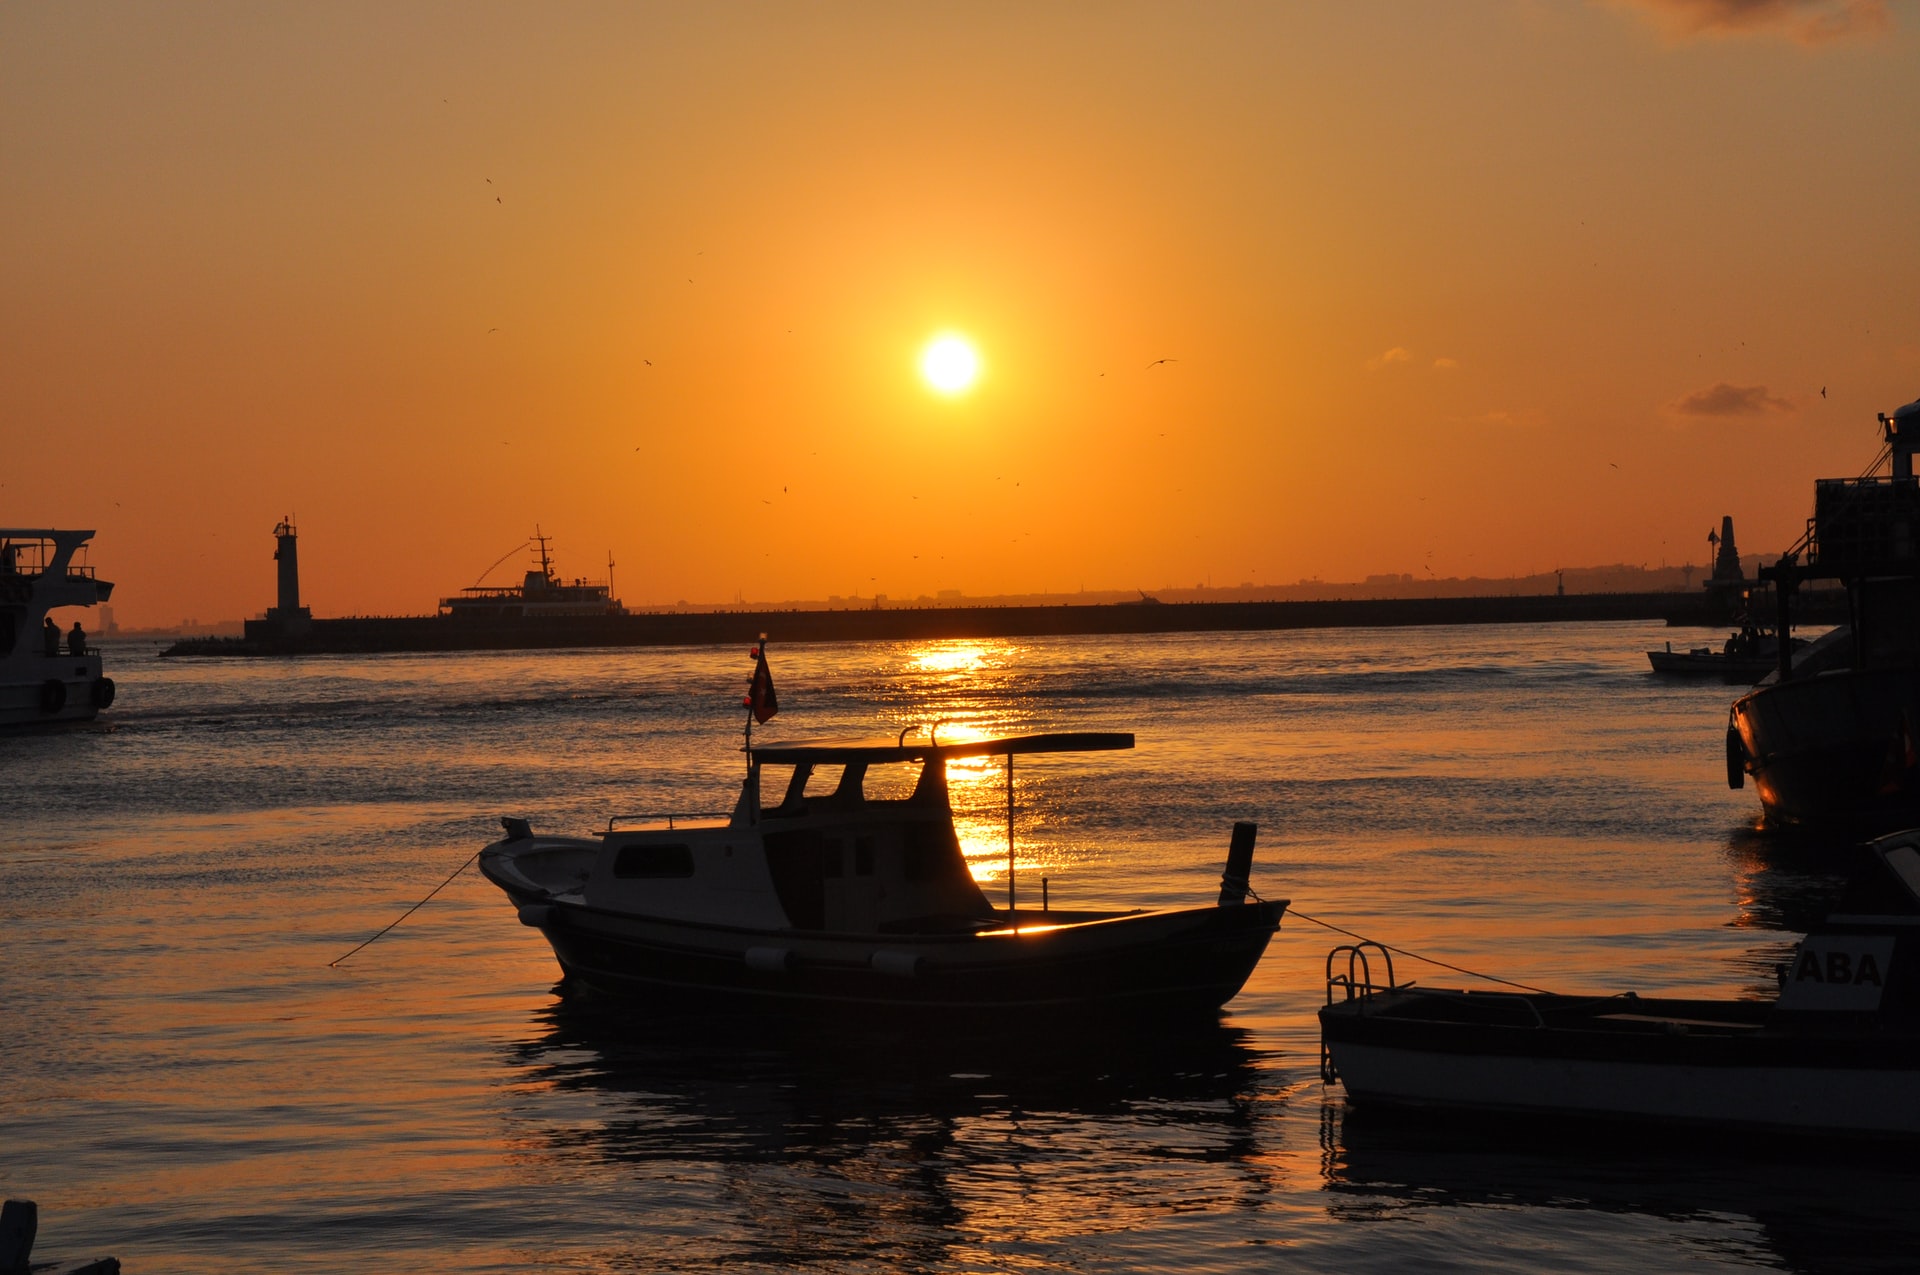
(1726,563)
(289,616)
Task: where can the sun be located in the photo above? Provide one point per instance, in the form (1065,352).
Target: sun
(950,364)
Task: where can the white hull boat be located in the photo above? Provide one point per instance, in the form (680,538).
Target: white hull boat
(44,680)
(834,898)
(1837,1054)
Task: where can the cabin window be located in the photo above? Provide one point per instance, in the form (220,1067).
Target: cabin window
(863,856)
(653,861)
(891,781)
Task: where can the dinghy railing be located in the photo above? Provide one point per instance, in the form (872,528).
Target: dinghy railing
(1357,982)
(667,818)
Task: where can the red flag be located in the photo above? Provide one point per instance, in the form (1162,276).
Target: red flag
(760,696)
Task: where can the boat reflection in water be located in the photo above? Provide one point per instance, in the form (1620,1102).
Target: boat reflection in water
(781,1144)
(1734,1202)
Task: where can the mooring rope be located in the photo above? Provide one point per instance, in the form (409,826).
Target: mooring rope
(1401,951)
(415,908)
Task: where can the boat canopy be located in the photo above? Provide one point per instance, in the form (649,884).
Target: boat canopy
(828,753)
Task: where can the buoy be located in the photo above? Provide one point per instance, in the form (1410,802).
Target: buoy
(53,695)
(535,914)
(770,960)
(898,964)
(1736,759)
(103,692)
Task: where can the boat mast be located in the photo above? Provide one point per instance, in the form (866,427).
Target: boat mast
(546,561)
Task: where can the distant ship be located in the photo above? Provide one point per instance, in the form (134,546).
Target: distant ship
(541,595)
(1833,734)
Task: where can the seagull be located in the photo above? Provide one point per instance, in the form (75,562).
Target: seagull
(648,362)
(1158,362)
(1823,391)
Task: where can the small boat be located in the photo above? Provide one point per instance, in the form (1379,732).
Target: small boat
(833,895)
(47,677)
(1748,655)
(1837,1053)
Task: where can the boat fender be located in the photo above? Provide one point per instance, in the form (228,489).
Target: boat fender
(537,915)
(898,964)
(771,960)
(1736,759)
(53,695)
(1234,886)
(103,693)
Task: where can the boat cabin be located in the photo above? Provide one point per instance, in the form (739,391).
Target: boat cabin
(815,844)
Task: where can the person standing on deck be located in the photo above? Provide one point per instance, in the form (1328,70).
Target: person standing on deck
(77,640)
(50,635)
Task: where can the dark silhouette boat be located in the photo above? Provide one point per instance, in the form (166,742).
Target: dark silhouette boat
(1838,1053)
(1832,734)
(832,896)
(540,595)
(1749,654)
(47,677)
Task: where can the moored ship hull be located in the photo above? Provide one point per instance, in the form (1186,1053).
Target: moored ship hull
(1843,746)
(1152,963)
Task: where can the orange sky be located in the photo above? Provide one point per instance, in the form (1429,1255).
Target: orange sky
(1440,283)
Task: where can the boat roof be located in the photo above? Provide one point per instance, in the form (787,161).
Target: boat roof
(827,752)
(43,533)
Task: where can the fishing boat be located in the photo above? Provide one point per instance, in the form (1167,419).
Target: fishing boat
(836,895)
(47,676)
(1836,1053)
(1749,654)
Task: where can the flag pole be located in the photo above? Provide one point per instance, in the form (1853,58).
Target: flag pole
(1012,918)
(759,662)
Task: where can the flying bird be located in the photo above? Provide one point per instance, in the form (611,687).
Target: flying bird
(1823,391)
(1158,362)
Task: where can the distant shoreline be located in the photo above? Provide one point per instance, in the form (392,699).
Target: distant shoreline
(442,633)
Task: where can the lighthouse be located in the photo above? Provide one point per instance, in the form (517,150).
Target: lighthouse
(289,616)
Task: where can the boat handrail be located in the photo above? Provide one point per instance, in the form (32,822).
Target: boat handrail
(668,817)
(1357,983)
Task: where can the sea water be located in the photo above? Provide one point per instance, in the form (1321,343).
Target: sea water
(190,1082)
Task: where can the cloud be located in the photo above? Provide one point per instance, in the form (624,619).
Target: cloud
(1803,21)
(1721,399)
(1445,364)
(1395,355)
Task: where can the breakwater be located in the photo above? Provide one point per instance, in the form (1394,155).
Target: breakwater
(897,624)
